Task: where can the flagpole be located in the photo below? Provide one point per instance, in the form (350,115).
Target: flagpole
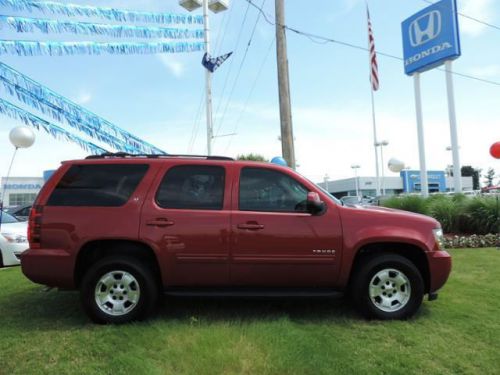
(375,142)
(208,79)
(374,122)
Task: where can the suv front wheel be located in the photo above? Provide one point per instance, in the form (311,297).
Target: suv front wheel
(388,286)
(117,290)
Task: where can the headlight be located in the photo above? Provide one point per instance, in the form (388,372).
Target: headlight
(439,237)
(15,238)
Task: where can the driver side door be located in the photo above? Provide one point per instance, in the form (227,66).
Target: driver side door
(275,241)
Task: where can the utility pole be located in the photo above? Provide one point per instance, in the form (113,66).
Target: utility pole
(287,147)
(208,79)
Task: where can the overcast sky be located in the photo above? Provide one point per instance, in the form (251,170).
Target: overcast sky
(158,97)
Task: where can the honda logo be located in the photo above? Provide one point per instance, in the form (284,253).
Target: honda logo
(425,28)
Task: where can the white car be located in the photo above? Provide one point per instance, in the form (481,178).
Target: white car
(13,240)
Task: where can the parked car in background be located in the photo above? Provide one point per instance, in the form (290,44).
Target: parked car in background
(22,213)
(13,240)
(358,200)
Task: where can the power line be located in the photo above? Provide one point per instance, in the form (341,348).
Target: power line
(243,110)
(470,17)
(230,69)
(319,39)
(239,71)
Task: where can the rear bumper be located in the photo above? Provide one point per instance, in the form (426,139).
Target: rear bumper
(52,267)
(439,268)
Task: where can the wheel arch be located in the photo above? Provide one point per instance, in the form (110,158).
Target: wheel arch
(411,252)
(93,251)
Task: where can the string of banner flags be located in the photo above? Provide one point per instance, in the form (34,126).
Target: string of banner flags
(39,97)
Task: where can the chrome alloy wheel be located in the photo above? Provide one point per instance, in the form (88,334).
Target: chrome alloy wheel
(390,290)
(117,293)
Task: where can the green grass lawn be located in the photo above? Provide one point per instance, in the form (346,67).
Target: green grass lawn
(47,333)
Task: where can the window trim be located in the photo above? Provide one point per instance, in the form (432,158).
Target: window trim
(223,168)
(272,170)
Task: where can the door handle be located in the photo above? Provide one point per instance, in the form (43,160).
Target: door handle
(160,222)
(251,226)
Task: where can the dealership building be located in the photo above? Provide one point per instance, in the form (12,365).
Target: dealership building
(407,182)
(19,191)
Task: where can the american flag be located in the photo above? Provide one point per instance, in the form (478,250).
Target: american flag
(373,55)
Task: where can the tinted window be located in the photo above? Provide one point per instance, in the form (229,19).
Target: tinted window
(269,190)
(192,187)
(107,185)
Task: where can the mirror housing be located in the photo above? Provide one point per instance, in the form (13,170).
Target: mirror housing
(314,204)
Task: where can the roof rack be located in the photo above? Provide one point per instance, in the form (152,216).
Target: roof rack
(154,156)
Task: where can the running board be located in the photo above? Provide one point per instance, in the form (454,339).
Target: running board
(252,292)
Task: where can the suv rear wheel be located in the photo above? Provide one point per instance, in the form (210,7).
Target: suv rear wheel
(118,289)
(388,286)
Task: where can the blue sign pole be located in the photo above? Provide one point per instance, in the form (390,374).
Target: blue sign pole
(430,39)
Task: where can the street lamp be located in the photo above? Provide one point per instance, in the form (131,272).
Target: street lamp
(20,137)
(215,6)
(325,180)
(382,144)
(355,167)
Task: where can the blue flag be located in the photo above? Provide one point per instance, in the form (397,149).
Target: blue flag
(212,63)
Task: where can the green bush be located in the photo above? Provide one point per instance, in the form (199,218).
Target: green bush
(481,216)
(448,212)
(412,203)
(457,213)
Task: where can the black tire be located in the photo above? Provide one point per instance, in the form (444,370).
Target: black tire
(117,267)
(403,303)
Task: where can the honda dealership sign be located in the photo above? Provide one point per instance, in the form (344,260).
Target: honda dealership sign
(430,37)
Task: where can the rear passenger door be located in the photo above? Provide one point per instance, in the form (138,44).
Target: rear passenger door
(186,217)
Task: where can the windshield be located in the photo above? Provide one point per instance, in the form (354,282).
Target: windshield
(8,218)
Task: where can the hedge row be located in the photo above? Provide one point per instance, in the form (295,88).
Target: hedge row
(456,213)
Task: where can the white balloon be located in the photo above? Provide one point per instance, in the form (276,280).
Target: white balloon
(22,137)
(395,165)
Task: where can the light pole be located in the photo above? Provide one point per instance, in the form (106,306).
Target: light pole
(215,6)
(20,137)
(325,180)
(407,180)
(355,167)
(382,144)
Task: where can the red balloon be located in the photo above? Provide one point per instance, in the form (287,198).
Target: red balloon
(495,150)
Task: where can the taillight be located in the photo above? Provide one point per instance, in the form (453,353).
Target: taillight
(35,226)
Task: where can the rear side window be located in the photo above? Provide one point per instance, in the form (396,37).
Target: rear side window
(194,187)
(104,185)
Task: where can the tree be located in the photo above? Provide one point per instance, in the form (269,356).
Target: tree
(469,171)
(490,175)
(252,157)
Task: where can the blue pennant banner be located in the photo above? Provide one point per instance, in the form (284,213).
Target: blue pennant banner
(29,25)
(12,111)
(61,109)
(112,14)
(32,48)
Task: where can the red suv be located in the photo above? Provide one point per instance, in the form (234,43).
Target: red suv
(123,228)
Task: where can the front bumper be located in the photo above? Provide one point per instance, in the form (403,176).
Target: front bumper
(439,269)
(52,267)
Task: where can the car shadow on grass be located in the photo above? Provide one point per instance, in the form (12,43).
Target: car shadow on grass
(37,307)
(46,310)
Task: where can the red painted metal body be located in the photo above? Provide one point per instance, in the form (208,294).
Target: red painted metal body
(227,247)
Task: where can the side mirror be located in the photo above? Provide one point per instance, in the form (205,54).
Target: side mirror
(314,204)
